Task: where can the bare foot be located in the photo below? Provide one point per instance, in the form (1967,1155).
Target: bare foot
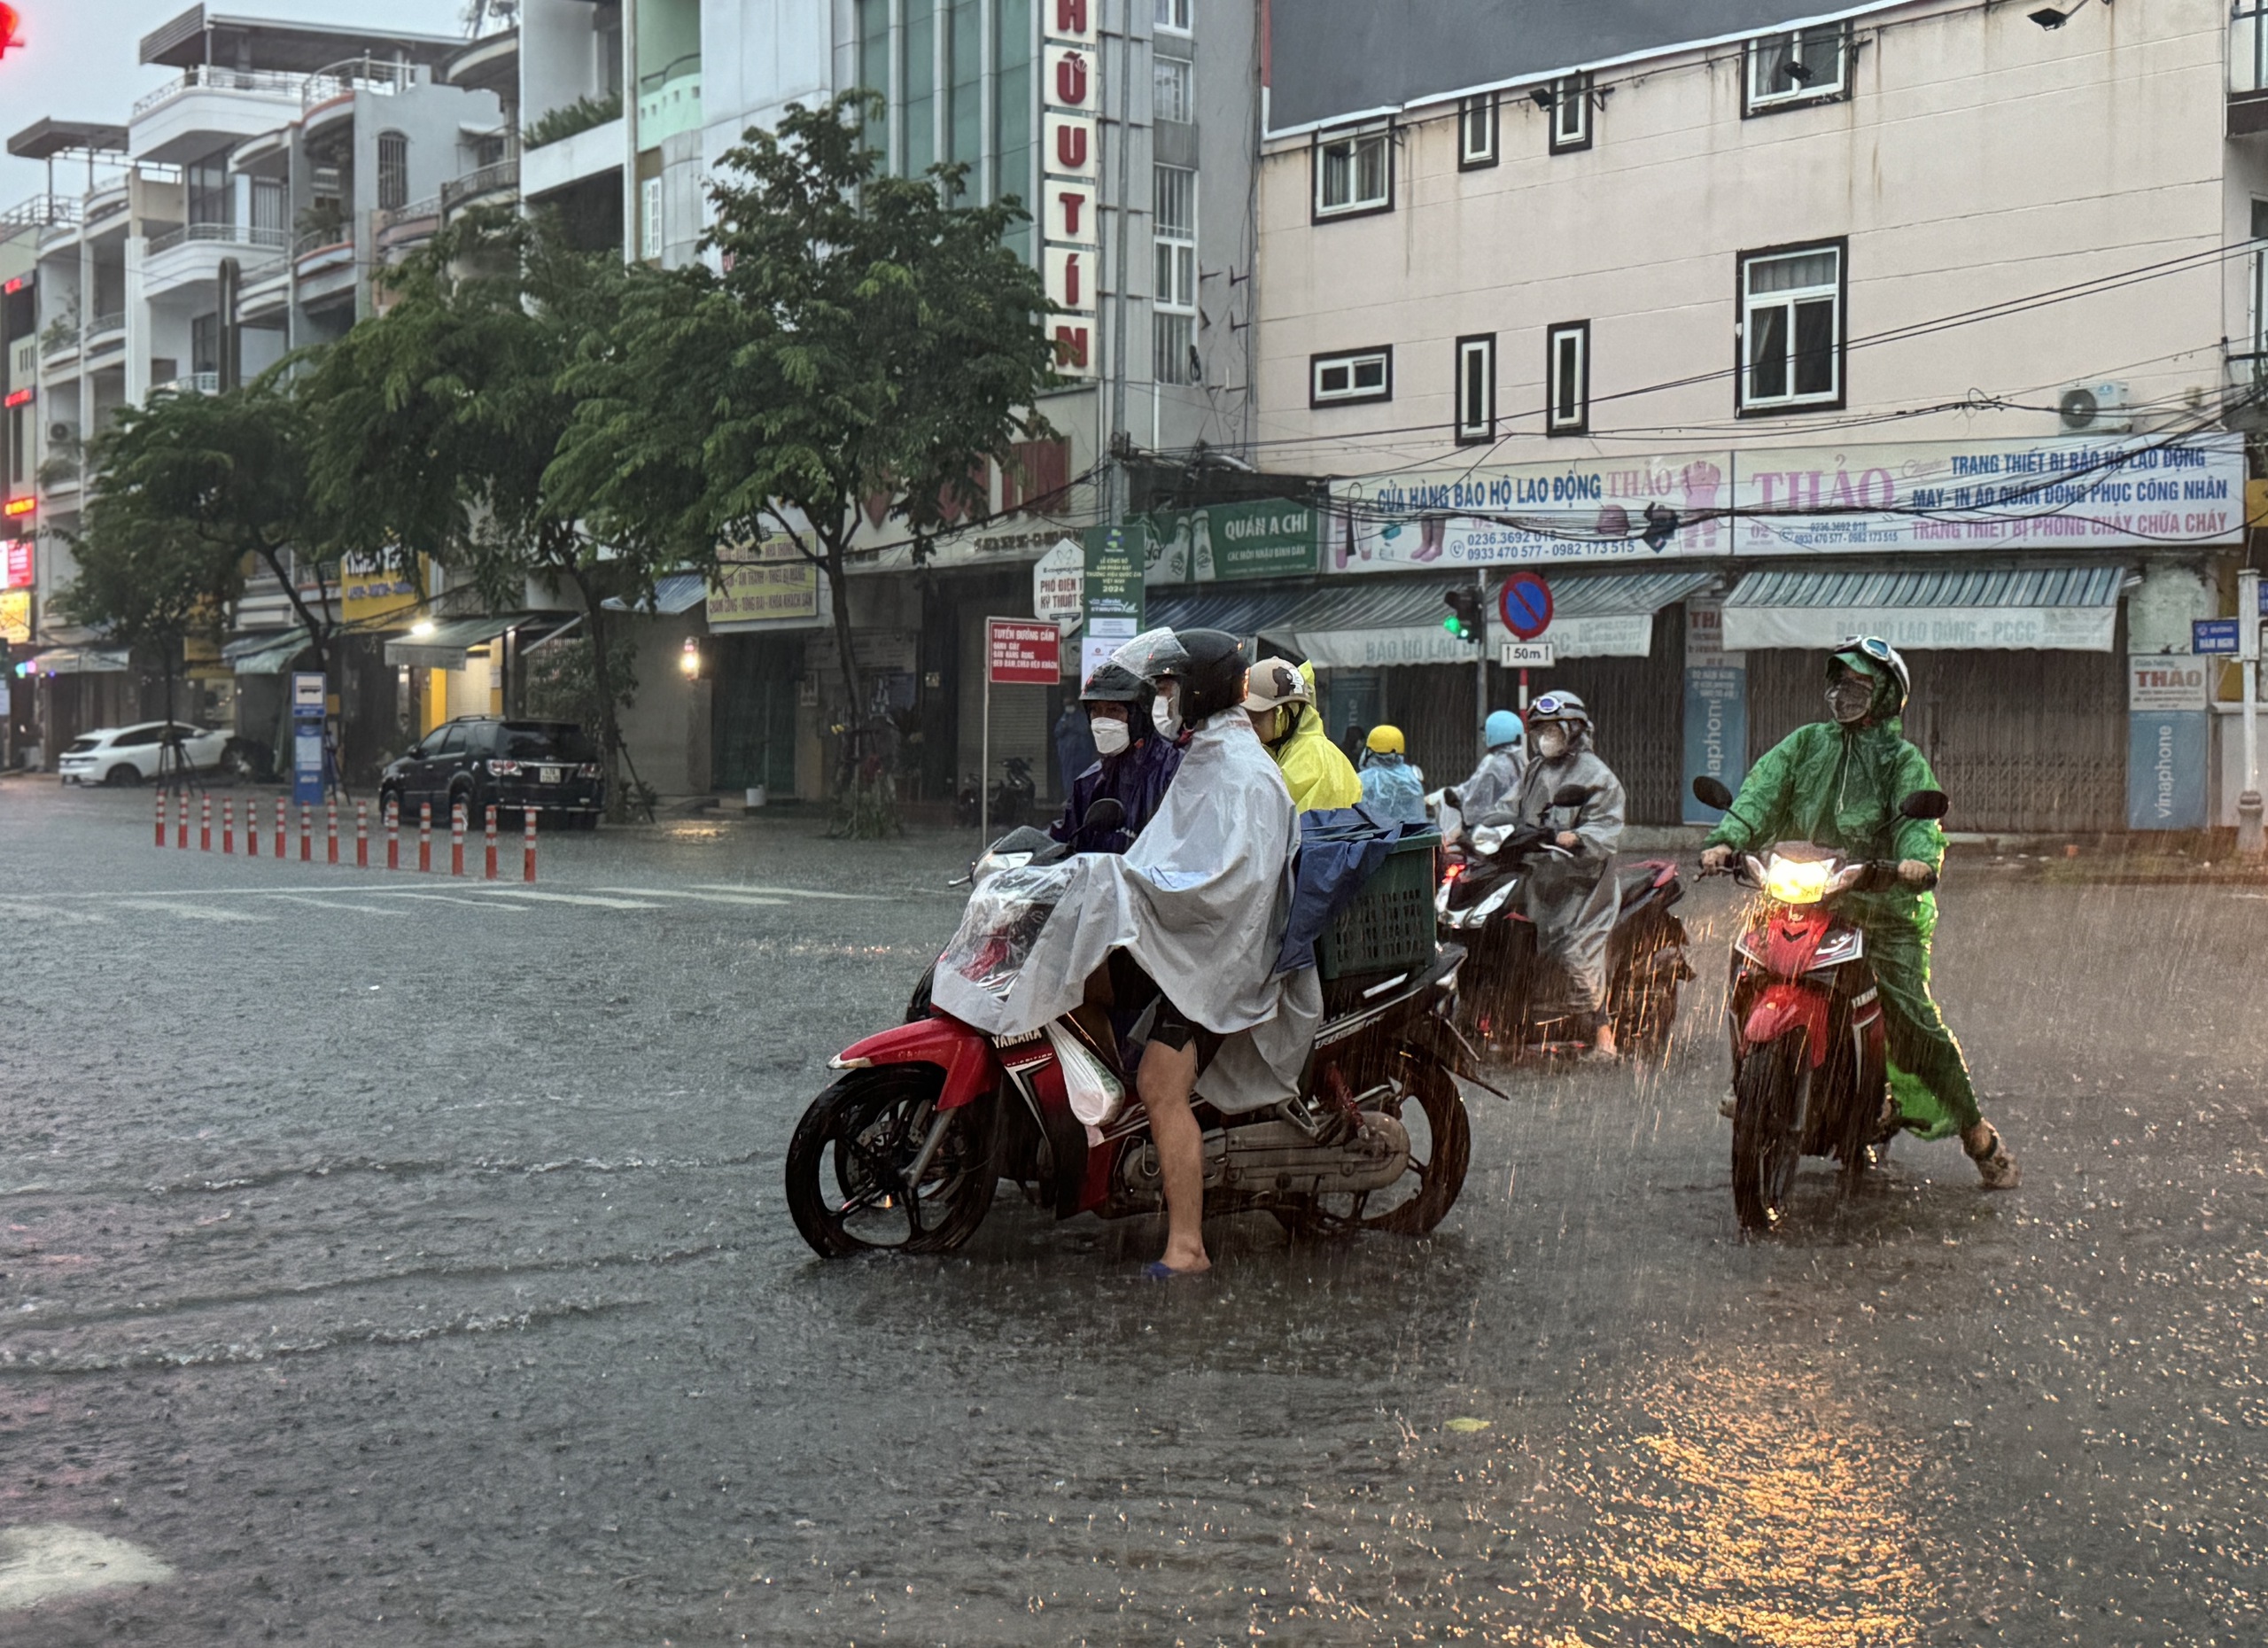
(1187,1259)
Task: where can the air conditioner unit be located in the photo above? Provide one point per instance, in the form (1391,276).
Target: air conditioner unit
(60,434)
(2093,409)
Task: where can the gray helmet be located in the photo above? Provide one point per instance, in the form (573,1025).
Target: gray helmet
(1562,707)
(1873,657)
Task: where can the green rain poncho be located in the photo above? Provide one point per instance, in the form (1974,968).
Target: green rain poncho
(1839,787)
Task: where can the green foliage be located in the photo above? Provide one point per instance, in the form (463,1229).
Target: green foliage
(869,337)
(579,116)
(563,683)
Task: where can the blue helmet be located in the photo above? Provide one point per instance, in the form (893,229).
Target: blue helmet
(1504,728)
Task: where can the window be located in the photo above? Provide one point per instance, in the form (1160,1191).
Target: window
(205,343)
(394,171)
(16,445)
(1476,133)
(1353,174)
(1567,378)
(1791,327)
(1801,66)
(267,209)
(1174,234)
(1173,15)
(209,193)
(1571,113)
(2257,280)
(649,216)
(1175,95)
(1476,388)
(1357,375)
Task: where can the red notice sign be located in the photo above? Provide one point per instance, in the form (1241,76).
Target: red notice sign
(1022,652)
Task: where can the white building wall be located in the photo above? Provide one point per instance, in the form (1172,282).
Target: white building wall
(1980,159)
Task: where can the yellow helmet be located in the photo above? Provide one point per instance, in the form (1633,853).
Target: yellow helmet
(1385,741)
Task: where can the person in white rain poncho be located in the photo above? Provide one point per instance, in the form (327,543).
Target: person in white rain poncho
(1199,905)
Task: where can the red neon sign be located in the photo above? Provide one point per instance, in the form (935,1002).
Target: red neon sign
(17,284)
(8,19)
(18,398)
(19,506)
(19,563)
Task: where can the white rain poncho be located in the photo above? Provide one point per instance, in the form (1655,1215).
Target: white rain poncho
(1200,901)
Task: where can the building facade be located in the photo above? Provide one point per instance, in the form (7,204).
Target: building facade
(1754,327)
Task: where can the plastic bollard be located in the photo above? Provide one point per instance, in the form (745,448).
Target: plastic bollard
(393,832)
(282,817)
(361,835)
(306,834)
(489,872)
(527,845)
(228,826)
(251,827)
(182,840)
(205,823)
(161,818)
(425,836)
(330,832)
(456,838)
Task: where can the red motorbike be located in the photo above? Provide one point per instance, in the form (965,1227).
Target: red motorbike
(1809,1070)
(905,1151)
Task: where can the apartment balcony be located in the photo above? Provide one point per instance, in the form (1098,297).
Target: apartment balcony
(210,107)
(190,383)
(566,161)
(192,254)
(495,185)
(40,212)
(403,229)
(266,294)
(321,249)
(669,101)
(104,335)
(58,344)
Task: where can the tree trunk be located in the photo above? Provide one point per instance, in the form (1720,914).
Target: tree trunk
(603,679)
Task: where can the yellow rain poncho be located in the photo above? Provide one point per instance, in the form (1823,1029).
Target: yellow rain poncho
(1315,771)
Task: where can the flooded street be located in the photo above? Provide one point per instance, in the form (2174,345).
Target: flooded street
(407,1269)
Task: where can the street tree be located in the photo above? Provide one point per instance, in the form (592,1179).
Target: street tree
(432,428)
(147,579)
(865,341)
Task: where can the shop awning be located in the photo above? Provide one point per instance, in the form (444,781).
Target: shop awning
(443,647)
(269,654)
(1361,625)
(2036,609)
(79,661)
(677,593)
(1231,607)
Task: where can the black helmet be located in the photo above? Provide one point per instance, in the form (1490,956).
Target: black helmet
(1113,684)
(1210,666)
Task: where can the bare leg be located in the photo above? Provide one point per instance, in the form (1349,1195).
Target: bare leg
(1168,1077)
(1603,1044)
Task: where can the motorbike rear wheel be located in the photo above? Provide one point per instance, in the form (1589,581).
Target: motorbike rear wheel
(848,1162)
(1769,1096)
(1440,1151)
(1643,1000)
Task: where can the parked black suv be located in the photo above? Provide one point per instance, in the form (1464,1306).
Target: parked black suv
(483,760)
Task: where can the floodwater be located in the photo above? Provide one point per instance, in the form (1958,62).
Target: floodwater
(390,1260)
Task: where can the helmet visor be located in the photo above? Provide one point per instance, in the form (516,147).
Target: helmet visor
(1153,654)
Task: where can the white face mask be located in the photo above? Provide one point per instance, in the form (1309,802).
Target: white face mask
(1550,742)
(1162,717)
(1110,734)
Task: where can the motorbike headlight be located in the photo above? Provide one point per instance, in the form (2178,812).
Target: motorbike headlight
(992,863)
(1798,880)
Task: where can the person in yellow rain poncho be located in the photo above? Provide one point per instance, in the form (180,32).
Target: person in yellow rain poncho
(1280,700)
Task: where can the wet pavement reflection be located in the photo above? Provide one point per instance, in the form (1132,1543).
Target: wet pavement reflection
(400,1270)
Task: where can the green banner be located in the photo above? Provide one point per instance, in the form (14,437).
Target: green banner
(1116,558)
(1225,543)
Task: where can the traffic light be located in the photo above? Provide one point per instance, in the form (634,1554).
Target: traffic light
(1661,526)
(1464,620)
(8,22)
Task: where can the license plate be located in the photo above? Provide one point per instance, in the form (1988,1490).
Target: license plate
(551,775)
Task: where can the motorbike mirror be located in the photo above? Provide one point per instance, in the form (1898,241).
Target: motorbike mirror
(1710,792)
(1572,795)
(1926,804)
(1109,812)
(1450,799)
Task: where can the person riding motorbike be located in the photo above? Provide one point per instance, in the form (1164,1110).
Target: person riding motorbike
(1499,771)
(1281,704)
(1573,900)
(1837,784)
(1192,918)
(1393,788)
(1135,762)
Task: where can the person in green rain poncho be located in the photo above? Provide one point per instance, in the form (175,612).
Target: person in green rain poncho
(1837,784)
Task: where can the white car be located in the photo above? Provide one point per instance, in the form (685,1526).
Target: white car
(128,755)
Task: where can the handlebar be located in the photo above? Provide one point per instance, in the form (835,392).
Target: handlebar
(1882,876)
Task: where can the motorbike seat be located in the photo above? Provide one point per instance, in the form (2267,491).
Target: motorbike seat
(1638,881)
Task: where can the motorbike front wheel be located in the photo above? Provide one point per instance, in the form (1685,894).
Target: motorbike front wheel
(1769,1096)
(1428,1104)
(852,1155)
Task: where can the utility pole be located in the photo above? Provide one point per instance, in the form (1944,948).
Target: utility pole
(1480,663)
(2250,843)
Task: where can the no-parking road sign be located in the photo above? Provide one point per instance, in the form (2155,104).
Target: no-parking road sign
(1526,603)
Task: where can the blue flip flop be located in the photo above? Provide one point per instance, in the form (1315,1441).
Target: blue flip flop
(1159,1270)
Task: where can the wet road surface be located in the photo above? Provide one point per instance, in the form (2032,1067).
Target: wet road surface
(380,1268)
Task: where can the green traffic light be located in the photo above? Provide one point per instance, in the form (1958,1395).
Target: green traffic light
(1454,626)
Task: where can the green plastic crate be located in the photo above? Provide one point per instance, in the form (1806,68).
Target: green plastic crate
(1389,926)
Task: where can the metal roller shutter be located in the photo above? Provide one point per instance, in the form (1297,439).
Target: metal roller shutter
(1638,711)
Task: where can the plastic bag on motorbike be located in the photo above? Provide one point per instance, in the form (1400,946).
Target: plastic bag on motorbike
(1001,924)
(1093,1092)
